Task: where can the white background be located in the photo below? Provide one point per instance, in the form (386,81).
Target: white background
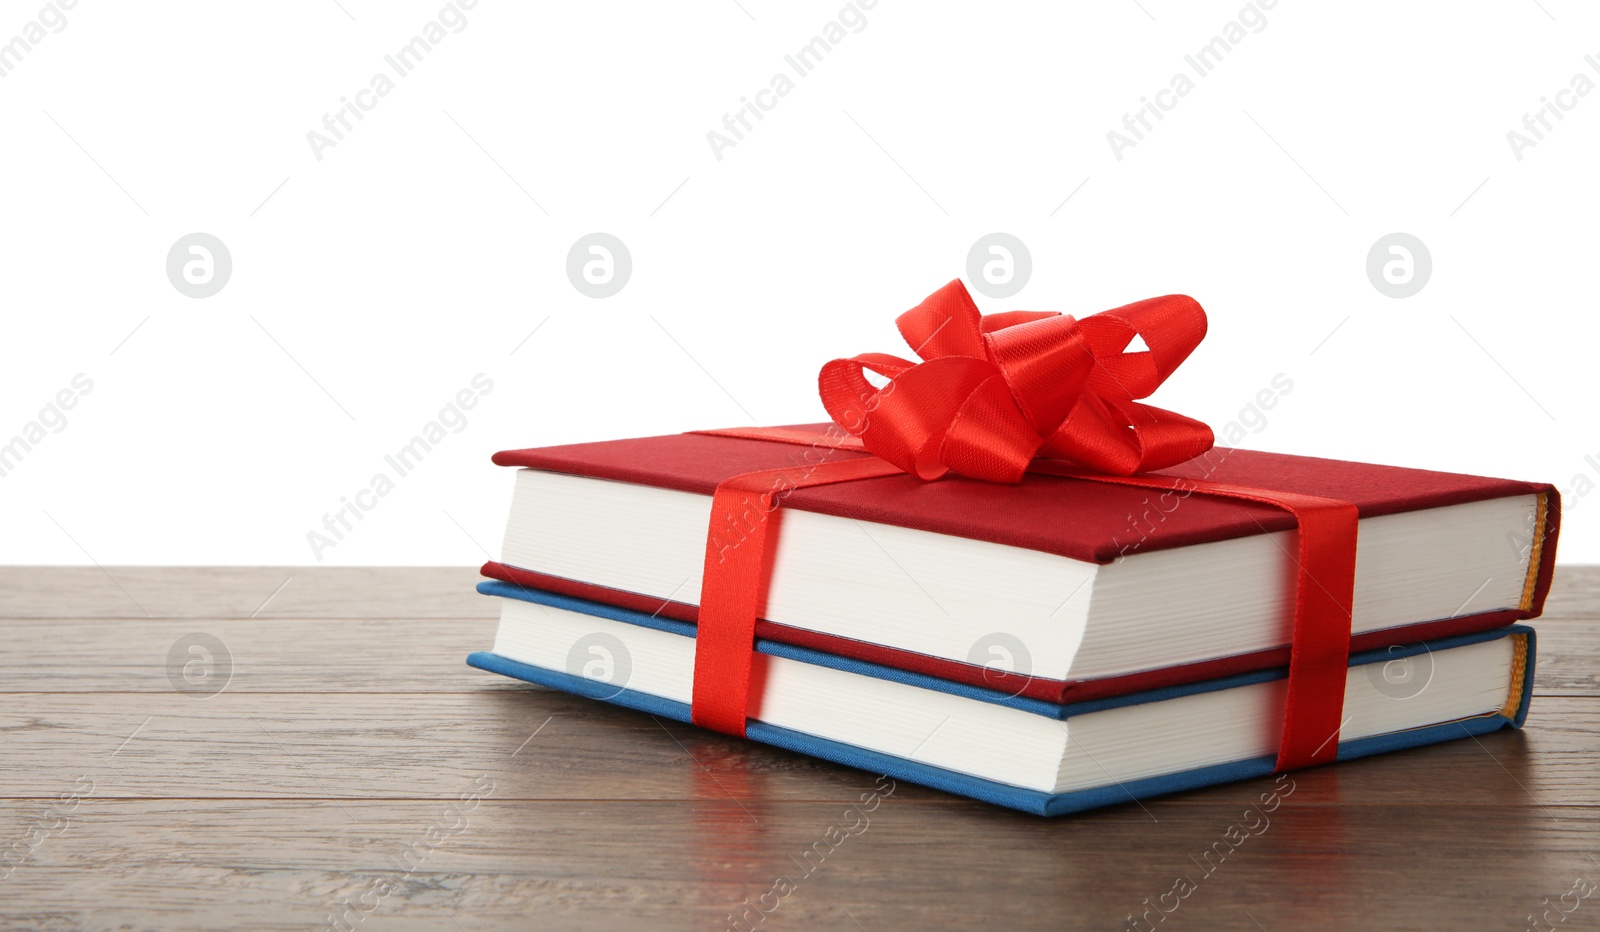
(372,285)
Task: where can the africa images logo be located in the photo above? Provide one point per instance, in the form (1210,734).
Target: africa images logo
(1007,665)
(603,658)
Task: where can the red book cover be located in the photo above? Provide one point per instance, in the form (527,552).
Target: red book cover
(1082,520)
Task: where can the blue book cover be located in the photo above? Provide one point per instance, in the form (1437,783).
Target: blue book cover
(992,791)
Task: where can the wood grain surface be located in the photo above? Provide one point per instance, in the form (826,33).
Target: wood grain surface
(340,758)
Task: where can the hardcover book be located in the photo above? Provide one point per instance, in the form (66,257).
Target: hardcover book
(1043,757)
(1054,589)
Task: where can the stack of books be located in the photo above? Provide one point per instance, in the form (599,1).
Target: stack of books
(1050,646)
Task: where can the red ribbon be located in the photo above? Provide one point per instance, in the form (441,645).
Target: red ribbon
(997,396)
(732,584)
(995,392)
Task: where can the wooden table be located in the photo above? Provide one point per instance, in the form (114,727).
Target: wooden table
(353,758)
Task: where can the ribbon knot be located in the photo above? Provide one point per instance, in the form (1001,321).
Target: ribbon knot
(994,392)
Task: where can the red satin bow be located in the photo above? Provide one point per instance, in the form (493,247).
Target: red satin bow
(996,391)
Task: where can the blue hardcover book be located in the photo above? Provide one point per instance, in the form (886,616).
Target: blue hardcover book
(1004,747)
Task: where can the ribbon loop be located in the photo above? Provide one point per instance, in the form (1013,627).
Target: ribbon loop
(993,392)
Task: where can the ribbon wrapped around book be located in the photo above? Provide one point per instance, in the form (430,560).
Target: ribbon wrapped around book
(998,396)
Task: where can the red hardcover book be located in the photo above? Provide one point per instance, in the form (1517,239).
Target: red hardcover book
(1056,588)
